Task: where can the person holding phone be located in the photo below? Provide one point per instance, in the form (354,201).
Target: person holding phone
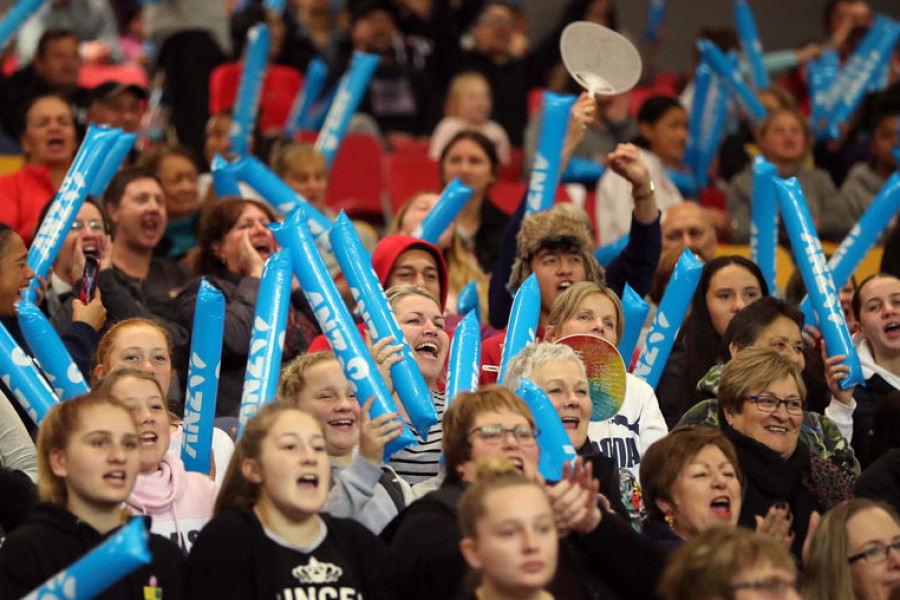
(85,242)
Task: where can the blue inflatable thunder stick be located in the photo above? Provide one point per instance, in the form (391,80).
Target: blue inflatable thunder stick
(313,84)
(246,105)
(203,378)
(468,300)
(669,316)
(21,376)
(608,253)
(52,356)
(746,28)
(448,205)
(223,178)
(545,170)
(267,338)
(62,212)
(118,150)
(655,16)
(336,323)
(376,313)
(764,219)
(465,357)
(103,566)
(15,17)
(861,238)
(350,94)
(816,275)
(556,447)
(635,311)
(523,321)
(722,67)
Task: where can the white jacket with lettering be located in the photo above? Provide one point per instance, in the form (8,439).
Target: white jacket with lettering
(627,435)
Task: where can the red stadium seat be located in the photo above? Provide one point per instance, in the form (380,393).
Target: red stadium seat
(356,181)
(280,87)
(411,146)
(408,174)
(512,171)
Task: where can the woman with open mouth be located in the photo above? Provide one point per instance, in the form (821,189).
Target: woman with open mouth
(269,537)
(235,243)
(588,308)
(761,402)
(179,502)
(418,312)
(88,457)
(363,487)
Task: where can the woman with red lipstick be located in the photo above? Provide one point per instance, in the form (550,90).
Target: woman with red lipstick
(88,459)
(269,538)
(363,487)
(48,143)
(179,502)
(761,401)
(691,482)
(854,553)
(509,534)
(235,243)
(784,136)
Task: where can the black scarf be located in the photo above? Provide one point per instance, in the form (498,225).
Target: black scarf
(772,479)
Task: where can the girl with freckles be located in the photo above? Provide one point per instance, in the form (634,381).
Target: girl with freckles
(269,537)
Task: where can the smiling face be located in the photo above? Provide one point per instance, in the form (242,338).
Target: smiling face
(293,469)
(89,224)
(667,136)
(468,161)
(596,315)
(416,212)
(873,580)
(556,270)
(100,461)
(567,387)
(140,216)
(523,456)
(148,407)
(423,328)
(329,396)
(49,136)
(732,288)
(516,542)
(784,140)
(14,273)
(705,494)
(178,176)
(879,316)
(778,430)
(141,347)
(253,223)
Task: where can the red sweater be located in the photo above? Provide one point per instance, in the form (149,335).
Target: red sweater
(22,196)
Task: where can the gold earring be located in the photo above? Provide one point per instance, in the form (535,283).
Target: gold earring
(670,519)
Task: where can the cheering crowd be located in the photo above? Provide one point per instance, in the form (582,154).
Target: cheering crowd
(748,470)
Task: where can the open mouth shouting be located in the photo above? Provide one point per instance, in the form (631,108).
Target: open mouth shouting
(564,285)
(151,225)
(428,349)
(721,507)
(570,422)
(116,478)
(308,482)
(148,439)
(892,330)
(345,424)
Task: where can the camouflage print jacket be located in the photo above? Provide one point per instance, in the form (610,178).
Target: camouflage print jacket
(818,431)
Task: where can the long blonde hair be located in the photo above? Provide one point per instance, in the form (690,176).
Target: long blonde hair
(462,267)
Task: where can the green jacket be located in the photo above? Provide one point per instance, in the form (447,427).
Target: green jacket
(818,431)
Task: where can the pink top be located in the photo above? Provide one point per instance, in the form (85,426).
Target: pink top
(179,502)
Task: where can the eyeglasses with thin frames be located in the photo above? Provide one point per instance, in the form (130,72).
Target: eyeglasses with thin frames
(496,434)
(768,403)
(94,226)
(876,553)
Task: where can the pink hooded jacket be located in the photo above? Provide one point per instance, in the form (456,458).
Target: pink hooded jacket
(180,503)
